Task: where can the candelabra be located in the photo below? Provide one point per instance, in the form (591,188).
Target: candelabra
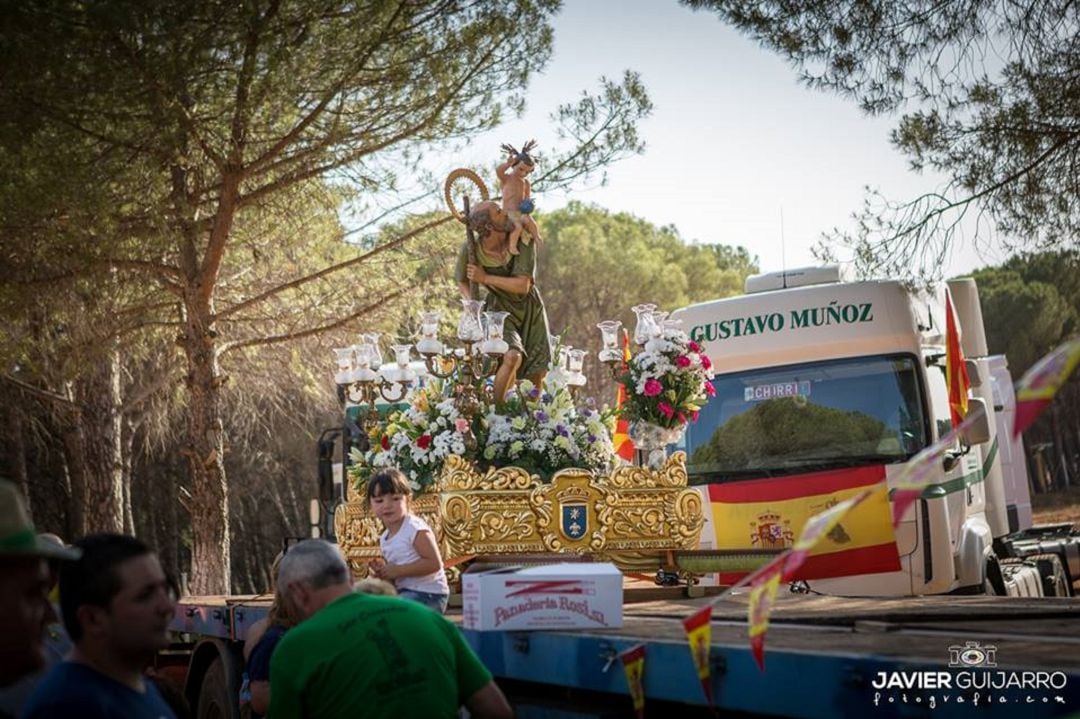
(362,378)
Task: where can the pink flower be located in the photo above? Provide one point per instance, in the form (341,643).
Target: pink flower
(461,425)
(682,418)
(666,409)
(694,414)
(706,362)
(709,389)
(693,346)
(682,361)
(653,388)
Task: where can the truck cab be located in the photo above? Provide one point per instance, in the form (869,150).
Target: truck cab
(819,378)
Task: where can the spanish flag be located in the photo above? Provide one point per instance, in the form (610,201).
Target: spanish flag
(633,661)
(624,446)
(698,628)
(771,513)
(1036,389)
(956,378)
(765,582)
(762,596)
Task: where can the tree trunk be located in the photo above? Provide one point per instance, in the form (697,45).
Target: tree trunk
(127,443)
(99,423)
(75,470)
(16,450)
(210,499)
(1061,477)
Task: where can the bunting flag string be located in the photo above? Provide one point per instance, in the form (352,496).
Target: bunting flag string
(698,627)
(914,476)
(1036,389)
(633,661)
(1034,392)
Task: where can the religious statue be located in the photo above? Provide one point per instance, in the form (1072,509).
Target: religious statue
(510,281)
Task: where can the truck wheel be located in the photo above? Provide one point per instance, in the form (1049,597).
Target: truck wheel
(1052,573)
(215,700)
(993,579)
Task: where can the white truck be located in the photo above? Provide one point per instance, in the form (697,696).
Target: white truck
(818,375)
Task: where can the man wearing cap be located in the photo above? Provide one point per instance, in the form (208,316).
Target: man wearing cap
(24,587)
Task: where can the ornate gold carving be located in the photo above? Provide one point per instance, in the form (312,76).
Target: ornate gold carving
(630,516)
(459,475)
(672,474)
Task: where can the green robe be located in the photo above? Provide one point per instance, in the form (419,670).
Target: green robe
(526,328)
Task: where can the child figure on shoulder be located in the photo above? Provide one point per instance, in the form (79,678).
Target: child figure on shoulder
(516,192)
(410,553)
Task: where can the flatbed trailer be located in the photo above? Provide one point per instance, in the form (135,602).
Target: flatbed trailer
(826,656)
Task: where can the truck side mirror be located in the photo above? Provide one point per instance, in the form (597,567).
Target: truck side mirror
(326,470)
(979,431)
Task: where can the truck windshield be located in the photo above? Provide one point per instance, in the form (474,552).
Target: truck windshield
(807,417)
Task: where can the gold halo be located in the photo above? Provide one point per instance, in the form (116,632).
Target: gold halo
(460,183)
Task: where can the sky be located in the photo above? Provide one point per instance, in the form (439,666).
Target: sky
(736,148)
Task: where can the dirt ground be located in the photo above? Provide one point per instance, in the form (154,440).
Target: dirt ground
(1057,507)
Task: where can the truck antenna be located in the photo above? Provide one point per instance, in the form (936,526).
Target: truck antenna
(783,257)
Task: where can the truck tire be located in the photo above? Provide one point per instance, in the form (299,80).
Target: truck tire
(993,579)
(215,700)
(1055,582)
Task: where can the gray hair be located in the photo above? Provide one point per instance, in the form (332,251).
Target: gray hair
(315,561)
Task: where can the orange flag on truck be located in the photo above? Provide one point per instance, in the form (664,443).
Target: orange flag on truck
(624,446)
(956,377)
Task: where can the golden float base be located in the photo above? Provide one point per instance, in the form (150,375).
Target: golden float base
(630,517)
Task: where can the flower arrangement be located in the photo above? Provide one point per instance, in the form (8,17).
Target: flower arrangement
(668,383)
(542,431)
(417,440)
(539,431)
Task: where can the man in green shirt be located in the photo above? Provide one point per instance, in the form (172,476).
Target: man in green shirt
(361,655)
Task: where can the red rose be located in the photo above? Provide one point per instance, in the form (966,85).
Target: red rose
(706,362)
(385,442)
(423,441)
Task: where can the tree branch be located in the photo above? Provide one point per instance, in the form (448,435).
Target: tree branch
(41,393)
(333,268)
(259,341)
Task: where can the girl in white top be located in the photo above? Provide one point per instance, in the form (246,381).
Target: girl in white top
(412,559)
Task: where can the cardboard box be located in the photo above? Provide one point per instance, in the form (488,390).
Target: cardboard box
(546,596)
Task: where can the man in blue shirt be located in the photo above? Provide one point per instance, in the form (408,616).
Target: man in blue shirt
(117,604)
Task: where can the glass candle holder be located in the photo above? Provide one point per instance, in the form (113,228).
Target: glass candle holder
(343,356)
(372,340)
(493,333)
(429,333)
(609,336)
(469,327)
(643,329)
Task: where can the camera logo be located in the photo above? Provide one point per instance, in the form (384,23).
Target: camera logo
(972,654)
